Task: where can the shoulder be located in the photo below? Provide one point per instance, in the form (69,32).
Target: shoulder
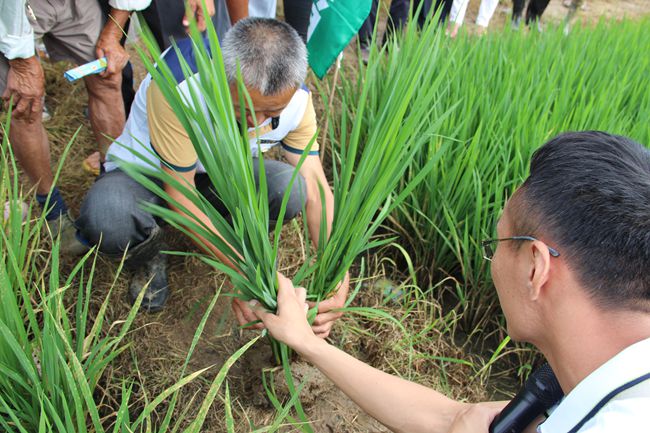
(624,415)
(304,125)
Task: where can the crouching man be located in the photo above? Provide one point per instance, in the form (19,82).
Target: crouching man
(571,267)
(273,61)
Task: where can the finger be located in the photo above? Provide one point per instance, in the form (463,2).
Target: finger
(200,19)
(249,315)
(322,331)
(37,108)
(258,311)
(327,305)
(239,314)
(301,294)
(101,53)
(325,327)
(191,9)
(261,314)
(286,290)
(6,95)
(22,108)
(111,66)
(244,317)
(282,280)
(323,318)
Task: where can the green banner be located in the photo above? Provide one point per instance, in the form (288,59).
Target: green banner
(331,26)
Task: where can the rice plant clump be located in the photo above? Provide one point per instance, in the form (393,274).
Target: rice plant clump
(501,97)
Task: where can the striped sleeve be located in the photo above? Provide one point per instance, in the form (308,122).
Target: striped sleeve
(168,137)
(298,139)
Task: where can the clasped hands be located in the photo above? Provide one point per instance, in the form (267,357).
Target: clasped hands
(247,312)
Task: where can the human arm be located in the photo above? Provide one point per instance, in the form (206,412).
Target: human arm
(400,405)
(109,41)
(171,142)
(25,79)
(179,201)
(315,181)
(26,85)
(237,10)
(312,171)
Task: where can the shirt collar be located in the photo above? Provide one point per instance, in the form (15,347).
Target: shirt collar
(624,367)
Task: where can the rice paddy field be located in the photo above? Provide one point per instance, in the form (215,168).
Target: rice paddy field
(463,118)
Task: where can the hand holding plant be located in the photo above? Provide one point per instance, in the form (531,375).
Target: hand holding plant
(289,325)
(244,313)
(326,309)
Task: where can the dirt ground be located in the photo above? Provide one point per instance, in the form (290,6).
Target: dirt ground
(160,341)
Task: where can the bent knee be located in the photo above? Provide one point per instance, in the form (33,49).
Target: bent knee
(297,197)
(113,219)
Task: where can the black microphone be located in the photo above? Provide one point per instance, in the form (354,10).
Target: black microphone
(540,393)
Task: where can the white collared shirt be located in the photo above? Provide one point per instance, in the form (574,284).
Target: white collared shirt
(129,5)
(627,412)
(16,34)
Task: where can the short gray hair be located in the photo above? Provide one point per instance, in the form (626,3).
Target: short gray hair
(271,55)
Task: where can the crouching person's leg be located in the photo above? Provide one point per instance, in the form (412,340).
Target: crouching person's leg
(111,217)
(278,179)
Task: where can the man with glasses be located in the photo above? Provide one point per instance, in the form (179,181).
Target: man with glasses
(571,267)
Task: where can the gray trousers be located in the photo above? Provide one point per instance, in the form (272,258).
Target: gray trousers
(112,212)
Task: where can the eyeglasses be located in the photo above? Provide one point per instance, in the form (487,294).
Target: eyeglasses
(488,252)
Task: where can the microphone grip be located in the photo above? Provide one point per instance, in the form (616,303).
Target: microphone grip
(515,417)
(540,392)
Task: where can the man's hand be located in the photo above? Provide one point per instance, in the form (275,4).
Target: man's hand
(109,46)
(195,8)
(245,314)
(290,325)
(325,317)
(476,418)
(26,83)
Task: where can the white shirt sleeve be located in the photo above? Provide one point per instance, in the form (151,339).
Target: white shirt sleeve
(129,5)
(16,33)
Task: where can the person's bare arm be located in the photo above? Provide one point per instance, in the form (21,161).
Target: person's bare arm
(195,212)
(314,175)
(237,9)
(240,308)
(25,88)
(400,405)
(312,171)
(108,44)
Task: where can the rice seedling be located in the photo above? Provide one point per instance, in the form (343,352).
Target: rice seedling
(374,155)
(238,245)
(501,97)
(52,353)
(364,180)
(209,118)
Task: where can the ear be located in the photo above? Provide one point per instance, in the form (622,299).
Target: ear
(540,269)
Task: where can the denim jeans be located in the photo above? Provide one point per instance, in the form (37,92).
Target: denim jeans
(112,212)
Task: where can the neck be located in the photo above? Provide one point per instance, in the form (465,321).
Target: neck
(583,339)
